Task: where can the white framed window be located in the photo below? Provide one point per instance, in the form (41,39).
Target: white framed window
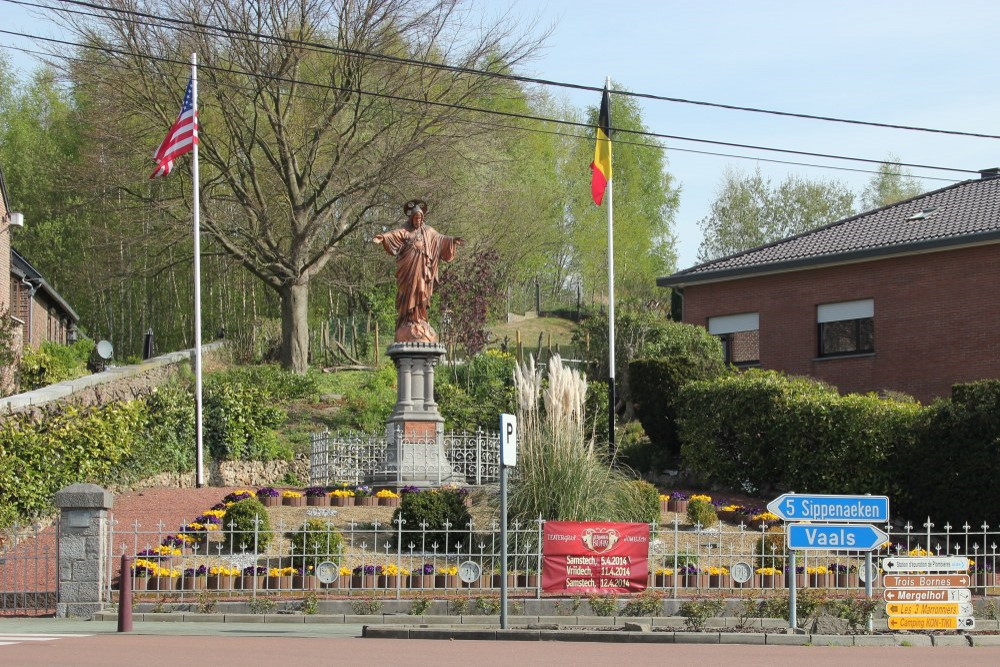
(740,336)
(847,327)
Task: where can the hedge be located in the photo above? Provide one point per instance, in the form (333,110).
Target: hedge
(759,431)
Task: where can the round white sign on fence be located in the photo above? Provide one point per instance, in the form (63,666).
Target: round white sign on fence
(469,571)
(862,573)
(741,572)
(327,572)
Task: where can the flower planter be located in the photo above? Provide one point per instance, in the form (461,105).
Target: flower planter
(342,501)
(249,582)
(279,583)
(388,581)
(753,582)
(679,506)
(293,502)
(388,502)
(527,581)
(162,583)
(140,583)
(363,581)
(664,506)
(772,581)
(366,501)
(270,501)
(663,580)
(446,581)
(801,579)
(820,580)
(219,582)
(421,581)
(481,582)
(304,582)
(318,501)
(718,580)
(195,583)
(844,579)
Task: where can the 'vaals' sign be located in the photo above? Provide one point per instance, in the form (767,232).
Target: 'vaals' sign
(593,557)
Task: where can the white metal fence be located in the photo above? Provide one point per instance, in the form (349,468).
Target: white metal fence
(359,457)
(402,560)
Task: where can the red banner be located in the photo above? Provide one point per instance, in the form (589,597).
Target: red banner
(595,557)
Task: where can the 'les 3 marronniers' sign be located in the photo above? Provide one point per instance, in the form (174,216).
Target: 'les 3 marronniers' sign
(595,557)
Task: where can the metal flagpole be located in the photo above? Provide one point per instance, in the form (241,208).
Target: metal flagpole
(199,459)
(611,291)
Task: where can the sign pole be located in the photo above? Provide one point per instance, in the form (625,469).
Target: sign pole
(792,589)
(868,585)
(503,546)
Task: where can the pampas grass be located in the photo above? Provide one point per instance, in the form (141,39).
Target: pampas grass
(562,475)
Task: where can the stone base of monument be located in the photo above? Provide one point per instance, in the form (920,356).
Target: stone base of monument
(415,430)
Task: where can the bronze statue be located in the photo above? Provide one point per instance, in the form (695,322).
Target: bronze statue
(419,250)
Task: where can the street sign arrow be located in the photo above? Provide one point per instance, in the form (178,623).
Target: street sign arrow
(924,563)
(928,608)
(830,507)
(835,536)
(932,623)
(927,581)
(928,594)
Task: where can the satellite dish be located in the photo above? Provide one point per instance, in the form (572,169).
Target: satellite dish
(105,350)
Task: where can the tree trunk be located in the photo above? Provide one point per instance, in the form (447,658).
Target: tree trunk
(295,327)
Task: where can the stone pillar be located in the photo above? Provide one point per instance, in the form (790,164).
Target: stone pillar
(83,549)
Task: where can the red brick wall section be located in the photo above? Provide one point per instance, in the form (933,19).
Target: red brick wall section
(937,319)
(4,255)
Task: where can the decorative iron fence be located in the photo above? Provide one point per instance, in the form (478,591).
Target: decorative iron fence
(391,558)
(358,457)
(28,571)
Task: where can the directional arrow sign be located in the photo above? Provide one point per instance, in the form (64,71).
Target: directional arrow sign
(926,581)
(924,563)
(835,536)
(804,507)
(928,608)
(932,623)
(928,595)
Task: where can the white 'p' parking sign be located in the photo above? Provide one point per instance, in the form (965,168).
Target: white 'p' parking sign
(508,440)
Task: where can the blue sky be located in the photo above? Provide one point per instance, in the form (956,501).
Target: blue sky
(914,63)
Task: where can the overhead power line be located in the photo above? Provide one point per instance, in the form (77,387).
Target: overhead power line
(495,112)
(500,75)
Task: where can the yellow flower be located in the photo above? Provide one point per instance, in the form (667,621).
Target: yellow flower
(765,516)
(218,513)
(664,498)
(701,496)
(164,550)
(291,494)
(453,570)
(716,570)
(767,570)
(918,552)
(819,569)
(342,493)
(666,571)
(386,493)
(222,570)
(281,571)
(345,571)
(390,570)
(732,508)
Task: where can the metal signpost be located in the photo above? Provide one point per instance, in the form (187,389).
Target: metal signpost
(838,523)
(925,600)
(508,457)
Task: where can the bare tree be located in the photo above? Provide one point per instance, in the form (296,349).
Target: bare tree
(317,116)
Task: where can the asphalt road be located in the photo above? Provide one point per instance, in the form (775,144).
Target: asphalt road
(48,642)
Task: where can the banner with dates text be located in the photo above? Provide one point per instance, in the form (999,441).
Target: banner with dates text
(595,557)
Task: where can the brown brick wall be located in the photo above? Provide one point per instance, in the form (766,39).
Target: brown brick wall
(4,255)
(937,319)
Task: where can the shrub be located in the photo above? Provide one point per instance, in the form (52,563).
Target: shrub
(239,420)
(436,508)
(696,612)
(474,394)
(702,512)
(271,380)
(809,603)
(53,362)
(647,603)
(638,501)
(367,407)
(316,541)
(855,609)
(603,605)
(247,526)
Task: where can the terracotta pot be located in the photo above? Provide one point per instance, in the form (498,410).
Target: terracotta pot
(219,582)
(162,583)
(679,506)
(446,581)
(664,506)
(363,581)
(293,502)
(388,502)
(527,581)
(772,581)
(195,583)
(270,501)
(249,582)
(279,583)
(800,579)
(388,580)
(843,579)
(421,581)
(318,501)
(663,580)
(820,580)
(304,582)
(718,580)
(366,501)
(140,583)
(342,501)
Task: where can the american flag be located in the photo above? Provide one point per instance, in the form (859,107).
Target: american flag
(181,138)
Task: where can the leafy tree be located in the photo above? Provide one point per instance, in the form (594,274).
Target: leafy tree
(303,147)
(749,211)
(891,184)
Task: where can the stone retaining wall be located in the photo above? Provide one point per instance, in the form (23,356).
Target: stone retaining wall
(234,473)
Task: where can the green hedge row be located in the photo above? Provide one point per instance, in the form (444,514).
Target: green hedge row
(123,442)
(763,432)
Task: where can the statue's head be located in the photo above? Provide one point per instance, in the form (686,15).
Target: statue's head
(415,210)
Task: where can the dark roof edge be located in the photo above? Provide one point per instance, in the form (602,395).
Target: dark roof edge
(44,286)
(933,245)
(835,223)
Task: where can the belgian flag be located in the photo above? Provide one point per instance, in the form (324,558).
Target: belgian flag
(601,166)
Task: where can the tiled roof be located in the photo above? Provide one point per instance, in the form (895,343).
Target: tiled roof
(960,214)
(23,269)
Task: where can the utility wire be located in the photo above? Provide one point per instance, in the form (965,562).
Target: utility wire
(495,112)
(499,75)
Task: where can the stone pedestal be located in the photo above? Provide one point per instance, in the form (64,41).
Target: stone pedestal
(415,430)
(83,549)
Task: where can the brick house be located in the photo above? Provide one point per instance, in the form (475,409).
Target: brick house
(903,298)
(38,310)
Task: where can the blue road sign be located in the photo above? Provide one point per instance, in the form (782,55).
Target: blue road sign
(835,536)
(806,507)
